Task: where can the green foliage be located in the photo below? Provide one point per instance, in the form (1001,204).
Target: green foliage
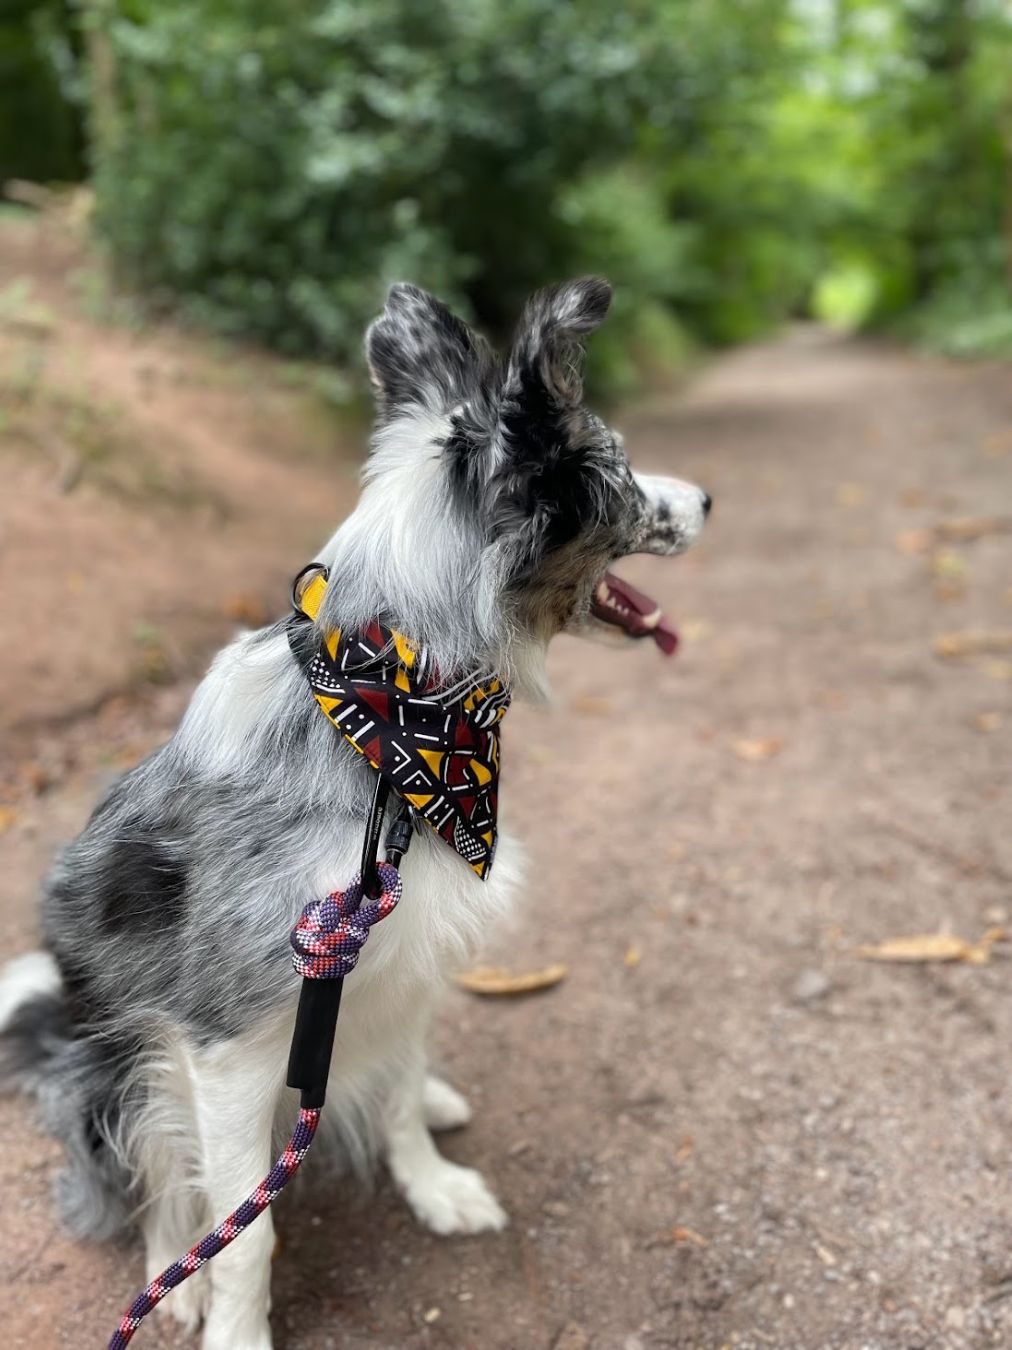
(275,174)
(267,169)
(913,108)
(40,91)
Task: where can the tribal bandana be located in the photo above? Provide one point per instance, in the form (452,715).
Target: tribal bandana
(437,749)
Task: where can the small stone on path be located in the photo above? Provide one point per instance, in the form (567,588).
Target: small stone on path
(810,986)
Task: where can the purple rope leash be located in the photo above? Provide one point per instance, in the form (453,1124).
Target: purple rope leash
(226,1232)
(331,932)
(326,943)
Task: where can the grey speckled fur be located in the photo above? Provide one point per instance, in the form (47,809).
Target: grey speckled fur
(493,501)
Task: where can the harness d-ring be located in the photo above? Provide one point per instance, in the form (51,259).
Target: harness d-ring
(319,568)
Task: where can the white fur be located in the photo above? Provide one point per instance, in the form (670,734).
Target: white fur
(686,504)
(213,1115)
(218,1115)
(27,977)
(444,1107)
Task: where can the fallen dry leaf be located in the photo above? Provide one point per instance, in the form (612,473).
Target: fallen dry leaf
(589,706)
(126,757)
(947,591)
(694,630)
(962,530)
(633,956)
(926,947)
(496,980)
(37,778)
(8,817)
(682,1235)
(850,494)
(247,609)
(968,528)
(997,443)
(998,670)
(913,497)
(988,721)
(948,565)
(684,1150)
(980,953)
(571,1337)
(763,748)
(915,541)
(832,698)
(962,646)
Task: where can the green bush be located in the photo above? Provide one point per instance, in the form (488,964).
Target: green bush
(41,121)
(267,169)
(270,172)
(274,173)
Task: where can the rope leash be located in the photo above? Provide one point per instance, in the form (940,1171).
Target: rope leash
(227,1231)
(371,685)
(330,934)
(326,943)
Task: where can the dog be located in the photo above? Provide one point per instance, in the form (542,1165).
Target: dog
(153,1027)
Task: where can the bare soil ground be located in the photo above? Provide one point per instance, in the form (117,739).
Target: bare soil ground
(723,1129)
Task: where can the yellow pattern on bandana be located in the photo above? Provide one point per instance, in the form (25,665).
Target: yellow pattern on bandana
(439,754)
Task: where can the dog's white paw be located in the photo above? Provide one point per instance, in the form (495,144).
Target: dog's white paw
(452,1199)
(187,1303)
(224,1334)
(444,1107)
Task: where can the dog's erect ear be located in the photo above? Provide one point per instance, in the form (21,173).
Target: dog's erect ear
(540,490)
(420,353)
(546,363)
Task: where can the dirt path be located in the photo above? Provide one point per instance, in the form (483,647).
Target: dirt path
(723,1130)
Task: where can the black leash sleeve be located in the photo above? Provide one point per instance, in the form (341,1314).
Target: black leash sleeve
(320,1000)
(313,1040)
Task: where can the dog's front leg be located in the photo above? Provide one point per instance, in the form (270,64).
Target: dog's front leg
(236,1089)
(443,1196)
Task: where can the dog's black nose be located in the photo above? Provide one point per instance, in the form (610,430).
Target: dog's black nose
(707,503)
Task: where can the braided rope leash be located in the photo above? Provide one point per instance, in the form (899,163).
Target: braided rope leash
(330,934)
(226,1232)
(326,943)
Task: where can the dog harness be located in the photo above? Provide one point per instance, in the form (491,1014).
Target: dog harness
(437,747)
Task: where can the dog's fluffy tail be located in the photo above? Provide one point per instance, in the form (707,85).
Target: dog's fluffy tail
(31,1016)
(79,1080)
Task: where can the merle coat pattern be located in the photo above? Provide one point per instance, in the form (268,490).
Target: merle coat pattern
(154,1025)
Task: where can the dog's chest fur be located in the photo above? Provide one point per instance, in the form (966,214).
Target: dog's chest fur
(175,903)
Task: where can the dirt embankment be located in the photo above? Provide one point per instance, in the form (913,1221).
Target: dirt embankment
(155,486)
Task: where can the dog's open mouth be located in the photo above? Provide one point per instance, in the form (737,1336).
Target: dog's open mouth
(617,602)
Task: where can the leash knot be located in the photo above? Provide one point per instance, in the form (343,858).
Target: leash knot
(331,932)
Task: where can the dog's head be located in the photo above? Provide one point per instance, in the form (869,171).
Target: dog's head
(500,499)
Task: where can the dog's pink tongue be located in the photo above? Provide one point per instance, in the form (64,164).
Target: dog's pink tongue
(666,637)
(645,618)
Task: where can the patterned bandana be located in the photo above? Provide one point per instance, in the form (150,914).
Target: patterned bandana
(437,749)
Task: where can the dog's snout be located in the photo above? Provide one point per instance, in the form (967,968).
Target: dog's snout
(707,503)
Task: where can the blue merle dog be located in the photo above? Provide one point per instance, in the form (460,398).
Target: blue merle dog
(153,1027)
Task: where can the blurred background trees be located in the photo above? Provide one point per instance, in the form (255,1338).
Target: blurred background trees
(267,169)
